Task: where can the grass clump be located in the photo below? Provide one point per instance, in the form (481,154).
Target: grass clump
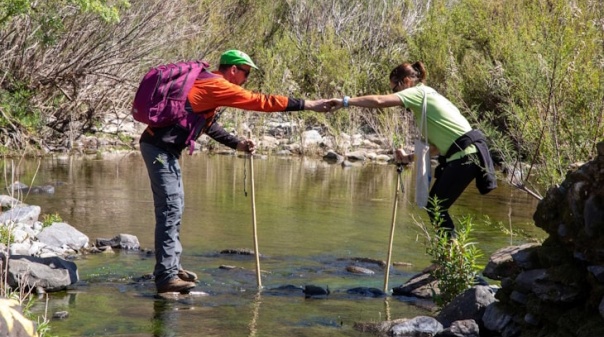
(49,219)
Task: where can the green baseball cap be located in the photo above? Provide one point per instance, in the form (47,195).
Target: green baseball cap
(236,57)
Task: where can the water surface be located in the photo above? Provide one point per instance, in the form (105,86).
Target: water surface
(313,218)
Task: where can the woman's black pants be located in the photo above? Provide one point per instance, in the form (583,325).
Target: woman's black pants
(452,178)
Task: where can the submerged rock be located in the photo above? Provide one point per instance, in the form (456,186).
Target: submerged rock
(21,188)
(417,326)
(359,270)
(239,251)
(312,291)
(380,263)
(121,241)
(367,292)
(60,315)
(288,289)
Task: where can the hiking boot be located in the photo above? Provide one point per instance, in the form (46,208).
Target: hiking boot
(175,285)
(186,275)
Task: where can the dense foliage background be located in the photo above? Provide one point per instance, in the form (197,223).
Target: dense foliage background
(527,72)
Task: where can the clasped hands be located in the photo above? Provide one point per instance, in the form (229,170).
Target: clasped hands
(324,105)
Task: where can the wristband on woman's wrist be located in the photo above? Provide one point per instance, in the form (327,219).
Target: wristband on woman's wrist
(345,101)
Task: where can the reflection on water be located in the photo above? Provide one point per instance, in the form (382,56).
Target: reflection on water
(164,321)
(253,326)
(313,219)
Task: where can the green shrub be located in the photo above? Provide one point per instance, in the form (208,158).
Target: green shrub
(6,236)
(15,103)
(49,219)
(454,260)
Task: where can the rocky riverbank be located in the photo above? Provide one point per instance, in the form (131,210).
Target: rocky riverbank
(280,136)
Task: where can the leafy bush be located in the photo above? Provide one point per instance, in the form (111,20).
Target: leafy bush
(454,258)
(6,236)
(49,219)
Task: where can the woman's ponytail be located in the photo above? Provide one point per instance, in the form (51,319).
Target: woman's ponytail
(421,70)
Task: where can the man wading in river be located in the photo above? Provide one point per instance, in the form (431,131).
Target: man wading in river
(162,147)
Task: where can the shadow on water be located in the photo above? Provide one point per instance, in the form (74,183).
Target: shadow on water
(314,221)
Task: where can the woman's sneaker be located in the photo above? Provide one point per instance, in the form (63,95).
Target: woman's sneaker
(175,285)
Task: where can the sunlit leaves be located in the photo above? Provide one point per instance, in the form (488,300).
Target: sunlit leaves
(532,69)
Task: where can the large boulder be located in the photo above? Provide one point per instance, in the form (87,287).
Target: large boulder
(8,202)
(63,235)
(422,285)
(42,274)
(23,214)
(471,304)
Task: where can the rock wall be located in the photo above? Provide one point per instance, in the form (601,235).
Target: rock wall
(556,289)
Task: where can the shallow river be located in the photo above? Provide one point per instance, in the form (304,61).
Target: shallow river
(313,219)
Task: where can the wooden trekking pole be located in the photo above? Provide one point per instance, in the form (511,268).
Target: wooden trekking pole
(399,169)
(254,226)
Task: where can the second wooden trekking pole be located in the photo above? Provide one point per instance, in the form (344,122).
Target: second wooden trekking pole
(399,169)
(254,225)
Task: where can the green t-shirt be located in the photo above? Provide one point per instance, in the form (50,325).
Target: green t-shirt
(445,122)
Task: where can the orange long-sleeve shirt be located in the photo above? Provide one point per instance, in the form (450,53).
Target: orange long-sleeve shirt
(212,92)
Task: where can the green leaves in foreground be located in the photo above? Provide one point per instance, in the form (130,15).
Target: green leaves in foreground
(454,260)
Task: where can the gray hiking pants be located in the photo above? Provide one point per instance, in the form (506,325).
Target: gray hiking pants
(169,201)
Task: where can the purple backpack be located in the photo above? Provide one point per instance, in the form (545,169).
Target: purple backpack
(162,95)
